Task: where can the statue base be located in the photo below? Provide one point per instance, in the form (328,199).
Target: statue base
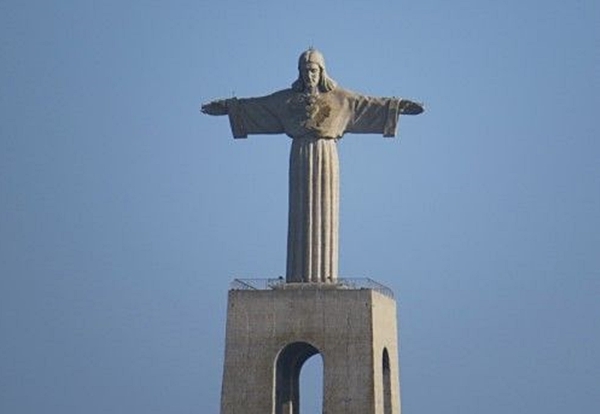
(272,332)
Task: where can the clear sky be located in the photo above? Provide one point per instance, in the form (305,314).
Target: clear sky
(124,213)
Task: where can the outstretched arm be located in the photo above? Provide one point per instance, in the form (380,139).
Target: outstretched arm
(248,115)
(379,115)
(218,107)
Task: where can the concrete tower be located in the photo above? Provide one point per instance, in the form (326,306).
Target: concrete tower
(274,328)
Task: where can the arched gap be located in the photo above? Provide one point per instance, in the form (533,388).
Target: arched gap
(387,383)
(287,376)
(311,384)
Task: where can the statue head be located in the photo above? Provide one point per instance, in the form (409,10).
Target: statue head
(311,66)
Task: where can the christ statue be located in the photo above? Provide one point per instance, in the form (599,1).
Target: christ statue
(315,113)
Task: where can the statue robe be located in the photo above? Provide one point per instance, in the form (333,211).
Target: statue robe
(315,123)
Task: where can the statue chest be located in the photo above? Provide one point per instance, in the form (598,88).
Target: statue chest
(314,115)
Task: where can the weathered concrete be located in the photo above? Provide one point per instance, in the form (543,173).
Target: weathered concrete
(270,333)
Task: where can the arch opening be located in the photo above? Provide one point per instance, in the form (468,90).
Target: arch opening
(287,376)
(311,385)
(387,382)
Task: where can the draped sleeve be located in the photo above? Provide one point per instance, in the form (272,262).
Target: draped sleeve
(371,115)
(255,116)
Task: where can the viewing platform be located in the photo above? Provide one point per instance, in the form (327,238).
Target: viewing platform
(338,284)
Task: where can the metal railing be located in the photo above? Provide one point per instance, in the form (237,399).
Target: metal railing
(340,283)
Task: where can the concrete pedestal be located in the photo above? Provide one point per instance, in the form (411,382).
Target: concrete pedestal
(271,333)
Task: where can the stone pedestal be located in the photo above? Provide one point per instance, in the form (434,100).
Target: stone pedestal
(272,332)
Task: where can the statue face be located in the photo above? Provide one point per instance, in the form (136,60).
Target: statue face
(311,74)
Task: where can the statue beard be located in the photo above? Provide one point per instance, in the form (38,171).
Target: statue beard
(311,90)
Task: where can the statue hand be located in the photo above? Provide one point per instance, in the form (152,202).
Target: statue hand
(410,108)
(218,107)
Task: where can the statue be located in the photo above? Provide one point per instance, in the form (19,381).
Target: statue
(315,113)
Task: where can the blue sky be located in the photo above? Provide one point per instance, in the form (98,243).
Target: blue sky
(125,213)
